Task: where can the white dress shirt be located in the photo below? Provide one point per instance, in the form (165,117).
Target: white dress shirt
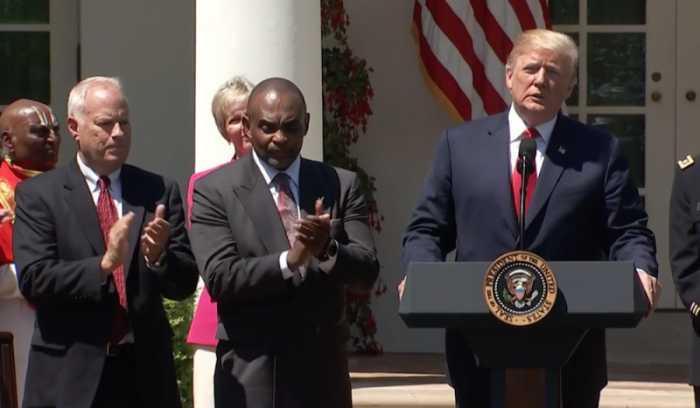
(268,172)
(517,129)
(115,185)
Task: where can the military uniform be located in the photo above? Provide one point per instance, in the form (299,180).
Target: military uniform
(684,246)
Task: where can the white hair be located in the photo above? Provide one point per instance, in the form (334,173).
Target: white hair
(236,89)
(76,98)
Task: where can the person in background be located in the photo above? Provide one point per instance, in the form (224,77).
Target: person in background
(684,252)
(31,140)
(228,108)
(98,244)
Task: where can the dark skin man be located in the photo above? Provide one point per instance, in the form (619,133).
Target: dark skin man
(30,135)
(31,139)
(280,239)
(276,123)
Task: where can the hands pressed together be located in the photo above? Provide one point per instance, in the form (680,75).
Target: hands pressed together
(312,235)
(155,236)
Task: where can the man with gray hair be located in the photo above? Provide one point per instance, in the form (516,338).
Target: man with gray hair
(581,204)
(98,243)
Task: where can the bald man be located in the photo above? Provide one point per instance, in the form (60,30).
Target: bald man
(278,240)
(31,139)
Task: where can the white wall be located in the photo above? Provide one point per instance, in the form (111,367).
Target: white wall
(267,38)
(398,150)
(149,45)
(398,147)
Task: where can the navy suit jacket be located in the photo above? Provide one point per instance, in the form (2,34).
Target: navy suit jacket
(585,207)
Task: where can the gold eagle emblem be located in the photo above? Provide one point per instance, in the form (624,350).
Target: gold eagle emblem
(519,283)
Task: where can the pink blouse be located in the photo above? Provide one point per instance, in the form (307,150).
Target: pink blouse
(205,321)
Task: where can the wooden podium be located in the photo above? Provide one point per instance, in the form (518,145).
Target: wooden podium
(8,375)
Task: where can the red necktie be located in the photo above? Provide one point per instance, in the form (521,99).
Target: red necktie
(107,213)
(531,180)
(287,207)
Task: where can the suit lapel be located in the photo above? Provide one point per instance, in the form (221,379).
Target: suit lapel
(79,199)
(552,168)
(255,196)
(500,143)
(130,203)
(309,189)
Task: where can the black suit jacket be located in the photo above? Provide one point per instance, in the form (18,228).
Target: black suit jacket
(684,248)
(58,245)
(238,237)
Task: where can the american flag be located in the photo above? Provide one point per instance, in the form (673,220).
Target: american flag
(463,45)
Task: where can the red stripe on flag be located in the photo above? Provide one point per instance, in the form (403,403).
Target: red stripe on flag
(545,14)
(457,33)
(525,17)
(440,76)
(495,36)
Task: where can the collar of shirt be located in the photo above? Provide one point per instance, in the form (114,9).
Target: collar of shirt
(517,127)
(269,172)
(91,178)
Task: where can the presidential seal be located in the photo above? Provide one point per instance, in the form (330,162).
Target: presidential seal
(519,288)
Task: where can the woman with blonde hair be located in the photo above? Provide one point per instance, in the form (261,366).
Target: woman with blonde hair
(228,108)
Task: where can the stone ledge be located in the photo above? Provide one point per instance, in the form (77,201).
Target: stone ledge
(418,381)
(617,395)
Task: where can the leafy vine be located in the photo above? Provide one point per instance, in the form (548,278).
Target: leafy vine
(346,109)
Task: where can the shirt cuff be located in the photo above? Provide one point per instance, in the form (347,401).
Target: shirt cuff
(9,285)
(328,264)
(284,266)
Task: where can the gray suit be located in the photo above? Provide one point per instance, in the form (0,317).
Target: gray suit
(280,345)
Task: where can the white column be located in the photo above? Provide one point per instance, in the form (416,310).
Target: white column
(258,39)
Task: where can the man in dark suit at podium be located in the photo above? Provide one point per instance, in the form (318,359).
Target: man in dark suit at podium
(684,251)
(583,206)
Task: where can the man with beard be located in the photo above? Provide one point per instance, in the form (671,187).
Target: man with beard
(31,139)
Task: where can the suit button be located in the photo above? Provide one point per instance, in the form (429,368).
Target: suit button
(318,329)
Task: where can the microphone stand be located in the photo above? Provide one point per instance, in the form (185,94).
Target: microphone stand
(524,165)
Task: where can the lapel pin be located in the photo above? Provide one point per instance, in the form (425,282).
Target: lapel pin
(562,150)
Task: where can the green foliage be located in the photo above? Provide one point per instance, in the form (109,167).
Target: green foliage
(347,97)
(180,316)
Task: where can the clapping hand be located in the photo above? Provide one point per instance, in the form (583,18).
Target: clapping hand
(314,230)
(117,245)
(155,235)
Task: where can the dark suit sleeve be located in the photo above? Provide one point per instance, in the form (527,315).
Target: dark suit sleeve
(228,276)
(431,233)
(624,233)
(178,276)
(43,278)
(684,245)
(356,263)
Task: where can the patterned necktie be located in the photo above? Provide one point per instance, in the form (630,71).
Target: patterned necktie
(531,179)
(107,214)
(287,207)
